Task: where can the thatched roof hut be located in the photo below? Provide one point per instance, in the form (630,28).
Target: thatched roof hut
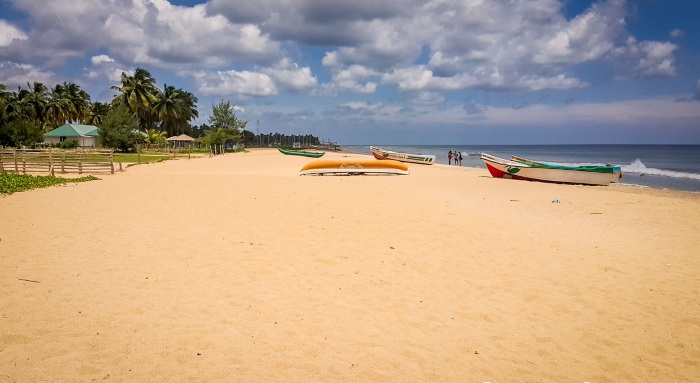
(182,140)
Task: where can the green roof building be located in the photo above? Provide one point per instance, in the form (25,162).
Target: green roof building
(84,134)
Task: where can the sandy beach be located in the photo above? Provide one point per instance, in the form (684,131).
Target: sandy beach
(236,269)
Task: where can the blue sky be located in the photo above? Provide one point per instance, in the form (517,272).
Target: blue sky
(386,72)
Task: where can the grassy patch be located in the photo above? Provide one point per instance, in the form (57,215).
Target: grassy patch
(12,182)
(145,158)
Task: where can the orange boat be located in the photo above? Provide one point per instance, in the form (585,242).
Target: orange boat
(353,167)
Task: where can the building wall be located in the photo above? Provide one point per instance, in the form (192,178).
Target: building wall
(85,142)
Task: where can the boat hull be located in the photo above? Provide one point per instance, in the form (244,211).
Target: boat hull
(383,154)
(301,153)
(502,168)
(351,167)
(616,171)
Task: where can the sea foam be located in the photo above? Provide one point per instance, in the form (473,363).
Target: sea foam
(637,166)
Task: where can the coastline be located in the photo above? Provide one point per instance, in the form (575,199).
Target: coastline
(236,268)
(672,167)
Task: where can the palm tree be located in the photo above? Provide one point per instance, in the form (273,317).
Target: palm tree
(138,93)
(154,137)
(4,98)
(169,108)
(33,100)
(76,100)
(56,109)
(97,113)
(175,108)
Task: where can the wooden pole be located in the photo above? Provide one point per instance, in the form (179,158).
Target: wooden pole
(50,162)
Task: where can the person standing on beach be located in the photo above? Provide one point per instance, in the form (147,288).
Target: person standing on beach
(449,157)
(459,156)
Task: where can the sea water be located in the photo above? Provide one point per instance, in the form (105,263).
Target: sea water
(675,167)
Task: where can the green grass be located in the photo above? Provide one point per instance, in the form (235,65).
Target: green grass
(12,182)
(145,158)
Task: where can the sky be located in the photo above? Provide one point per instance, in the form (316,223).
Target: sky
(386,72)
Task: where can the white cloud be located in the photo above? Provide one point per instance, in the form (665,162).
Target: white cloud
(283,77)
(290,77)
(427,98)
(96,60)
(150,33)
(625,112)
(354,79)
(677,33)
(14,75)
(648,59)
(9,33)
(227,83)
(421,78)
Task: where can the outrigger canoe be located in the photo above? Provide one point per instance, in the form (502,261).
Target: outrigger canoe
(383,154)
(353,167)
(301,153)
(502,168)
(616,171)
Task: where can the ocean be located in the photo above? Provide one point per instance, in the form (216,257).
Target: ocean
(674,167)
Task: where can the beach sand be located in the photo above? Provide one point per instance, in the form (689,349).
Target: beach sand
(236,269)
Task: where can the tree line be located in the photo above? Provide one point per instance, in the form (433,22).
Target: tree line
(140,113)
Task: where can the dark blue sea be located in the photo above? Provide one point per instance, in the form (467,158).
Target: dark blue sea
(675,167)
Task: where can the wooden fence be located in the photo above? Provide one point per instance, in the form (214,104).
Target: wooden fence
(53,161)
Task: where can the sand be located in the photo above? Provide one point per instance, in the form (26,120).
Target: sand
(236,269)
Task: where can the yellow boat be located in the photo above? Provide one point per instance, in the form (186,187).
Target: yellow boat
(354,166)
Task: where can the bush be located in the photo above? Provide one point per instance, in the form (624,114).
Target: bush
(12,182)
(120,130)
(68,144)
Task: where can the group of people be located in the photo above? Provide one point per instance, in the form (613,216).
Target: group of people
(456,156)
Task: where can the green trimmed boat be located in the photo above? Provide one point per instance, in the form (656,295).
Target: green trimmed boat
(304,153)
(615,170)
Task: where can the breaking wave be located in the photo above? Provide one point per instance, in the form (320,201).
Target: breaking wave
(637,166)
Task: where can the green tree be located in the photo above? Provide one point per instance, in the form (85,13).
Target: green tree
(4,99)
(247,137)
(21,115)
(21,132)
(97,113)
(155,137)
(30,103)
(138,92)
(119,130)
(224,116)
(220,136)
(76,100)
(174,108)
(226,127)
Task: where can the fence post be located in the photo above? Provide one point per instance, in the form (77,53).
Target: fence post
(14,155)
(51,162)
(80,164)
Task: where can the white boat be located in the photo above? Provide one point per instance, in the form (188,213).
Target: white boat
(615,170)
(502,168)
(383,154)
